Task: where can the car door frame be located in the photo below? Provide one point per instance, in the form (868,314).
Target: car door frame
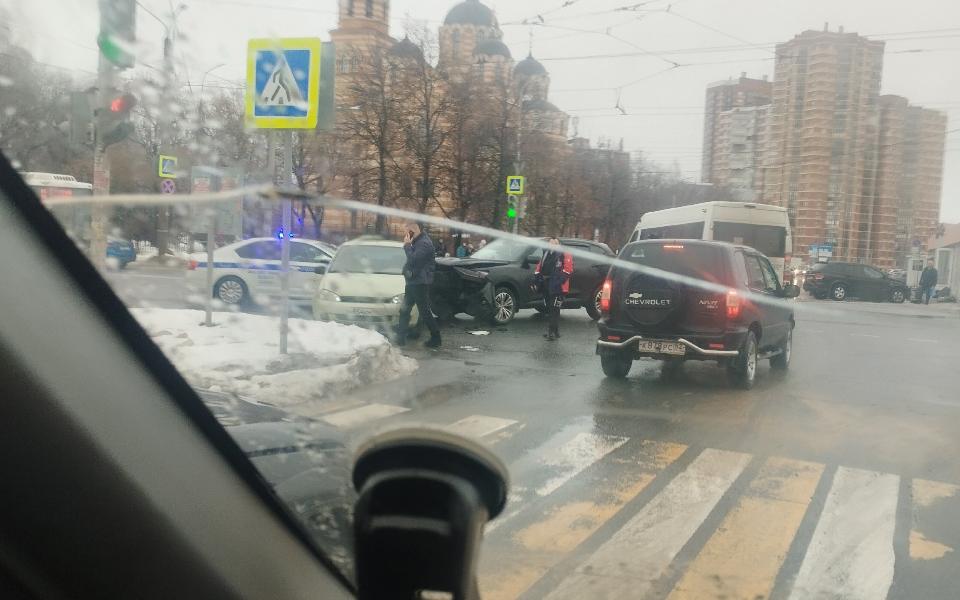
(875,287)
(262,275)
(303,273)
(778,324)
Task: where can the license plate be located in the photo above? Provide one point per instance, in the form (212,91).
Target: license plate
(363,312)
(661,347)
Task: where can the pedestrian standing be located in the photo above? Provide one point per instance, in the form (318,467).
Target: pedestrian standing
(461,250)
(418,273)
(928,281)
(553,276)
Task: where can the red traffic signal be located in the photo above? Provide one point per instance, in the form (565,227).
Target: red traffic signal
(123,104)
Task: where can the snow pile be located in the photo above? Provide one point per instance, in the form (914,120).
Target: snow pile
(240,355)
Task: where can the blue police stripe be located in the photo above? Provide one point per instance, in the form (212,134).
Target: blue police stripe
(229,265)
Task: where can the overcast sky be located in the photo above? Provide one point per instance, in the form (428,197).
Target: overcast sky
(578,43)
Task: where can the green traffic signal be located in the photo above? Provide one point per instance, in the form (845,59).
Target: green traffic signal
(512,212)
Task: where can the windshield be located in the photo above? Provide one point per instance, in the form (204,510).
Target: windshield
(230,168)
(368,259)
(502,250)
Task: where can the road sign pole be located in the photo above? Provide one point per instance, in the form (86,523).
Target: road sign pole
(516,219)
(287,217)
(211,237)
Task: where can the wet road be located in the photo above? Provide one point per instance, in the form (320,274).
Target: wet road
(837,479)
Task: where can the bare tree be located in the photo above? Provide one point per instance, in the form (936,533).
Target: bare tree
(371,124)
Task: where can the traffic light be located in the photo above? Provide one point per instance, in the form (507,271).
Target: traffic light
(118,31)
(113,120)
(512,208)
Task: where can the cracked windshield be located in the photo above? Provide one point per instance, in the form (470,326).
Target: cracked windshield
(688,268)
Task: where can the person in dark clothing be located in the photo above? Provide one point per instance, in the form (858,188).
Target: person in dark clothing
(928,281)
(418,273)
(553,277)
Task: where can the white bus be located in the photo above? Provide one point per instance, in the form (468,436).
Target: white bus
(75,219)
(761,226)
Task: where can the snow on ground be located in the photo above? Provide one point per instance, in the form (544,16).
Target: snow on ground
(241,355)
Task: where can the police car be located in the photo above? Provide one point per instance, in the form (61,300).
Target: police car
(249,270)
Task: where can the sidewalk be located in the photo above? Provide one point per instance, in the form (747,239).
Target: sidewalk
(934,310)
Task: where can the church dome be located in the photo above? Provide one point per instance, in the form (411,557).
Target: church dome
(471,12)
(492,46)
(530,66)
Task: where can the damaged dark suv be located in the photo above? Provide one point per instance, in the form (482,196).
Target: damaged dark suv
(737,316)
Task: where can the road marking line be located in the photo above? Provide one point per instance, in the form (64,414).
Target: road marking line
(354,417)
(478,426)
(575,456)
(851,552)
(923,341)
(866,335)
(564,462)
(627,565)
(535,549)
(744,555)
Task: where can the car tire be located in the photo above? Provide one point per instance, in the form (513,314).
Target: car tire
(838,292)
(593,304)
(615,364)
(231,291)
(504,305)
(781,361)
(898,296)
(742,372)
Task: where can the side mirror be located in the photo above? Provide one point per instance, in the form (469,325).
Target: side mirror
(531,259)
(791,291)
(320,270)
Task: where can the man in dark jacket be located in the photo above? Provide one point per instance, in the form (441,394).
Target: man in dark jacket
(553,277)
(928,281)
(418,272)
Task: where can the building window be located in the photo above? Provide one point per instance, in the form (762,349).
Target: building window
(342,65)
(349,8)
(368,10)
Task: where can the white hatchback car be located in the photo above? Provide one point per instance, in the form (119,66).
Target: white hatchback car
(364,285)
(249,270)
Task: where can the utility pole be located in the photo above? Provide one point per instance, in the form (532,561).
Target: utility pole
(101,170)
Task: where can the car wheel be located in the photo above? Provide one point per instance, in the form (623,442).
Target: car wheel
(743,371)
(615,364)
(230,290)
(898,296)
(838,292)
(593,305)
(504,305)
(782,360)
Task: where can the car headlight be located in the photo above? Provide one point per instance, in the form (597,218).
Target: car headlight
(398,299)
(328,296)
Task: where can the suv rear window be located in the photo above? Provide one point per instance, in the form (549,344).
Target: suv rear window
(693,260)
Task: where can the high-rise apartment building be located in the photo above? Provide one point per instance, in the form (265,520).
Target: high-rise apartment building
(909,179)
(738,145)
(821,156)
(719,131)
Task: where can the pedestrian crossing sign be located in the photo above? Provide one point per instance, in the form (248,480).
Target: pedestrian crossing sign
(515,185)
(283,83)
(167,167)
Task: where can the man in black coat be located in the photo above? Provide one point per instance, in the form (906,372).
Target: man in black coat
(928,282)
(418,272)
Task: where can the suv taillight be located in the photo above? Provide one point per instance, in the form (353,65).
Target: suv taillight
(605,294)
(817,276)
(192,265)
(733,304)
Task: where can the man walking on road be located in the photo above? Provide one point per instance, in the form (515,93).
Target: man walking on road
(553,274)
(928,281)
(418,273)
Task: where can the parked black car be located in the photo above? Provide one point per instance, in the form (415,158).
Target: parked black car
(842,280)
(506,268)
(659,316)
